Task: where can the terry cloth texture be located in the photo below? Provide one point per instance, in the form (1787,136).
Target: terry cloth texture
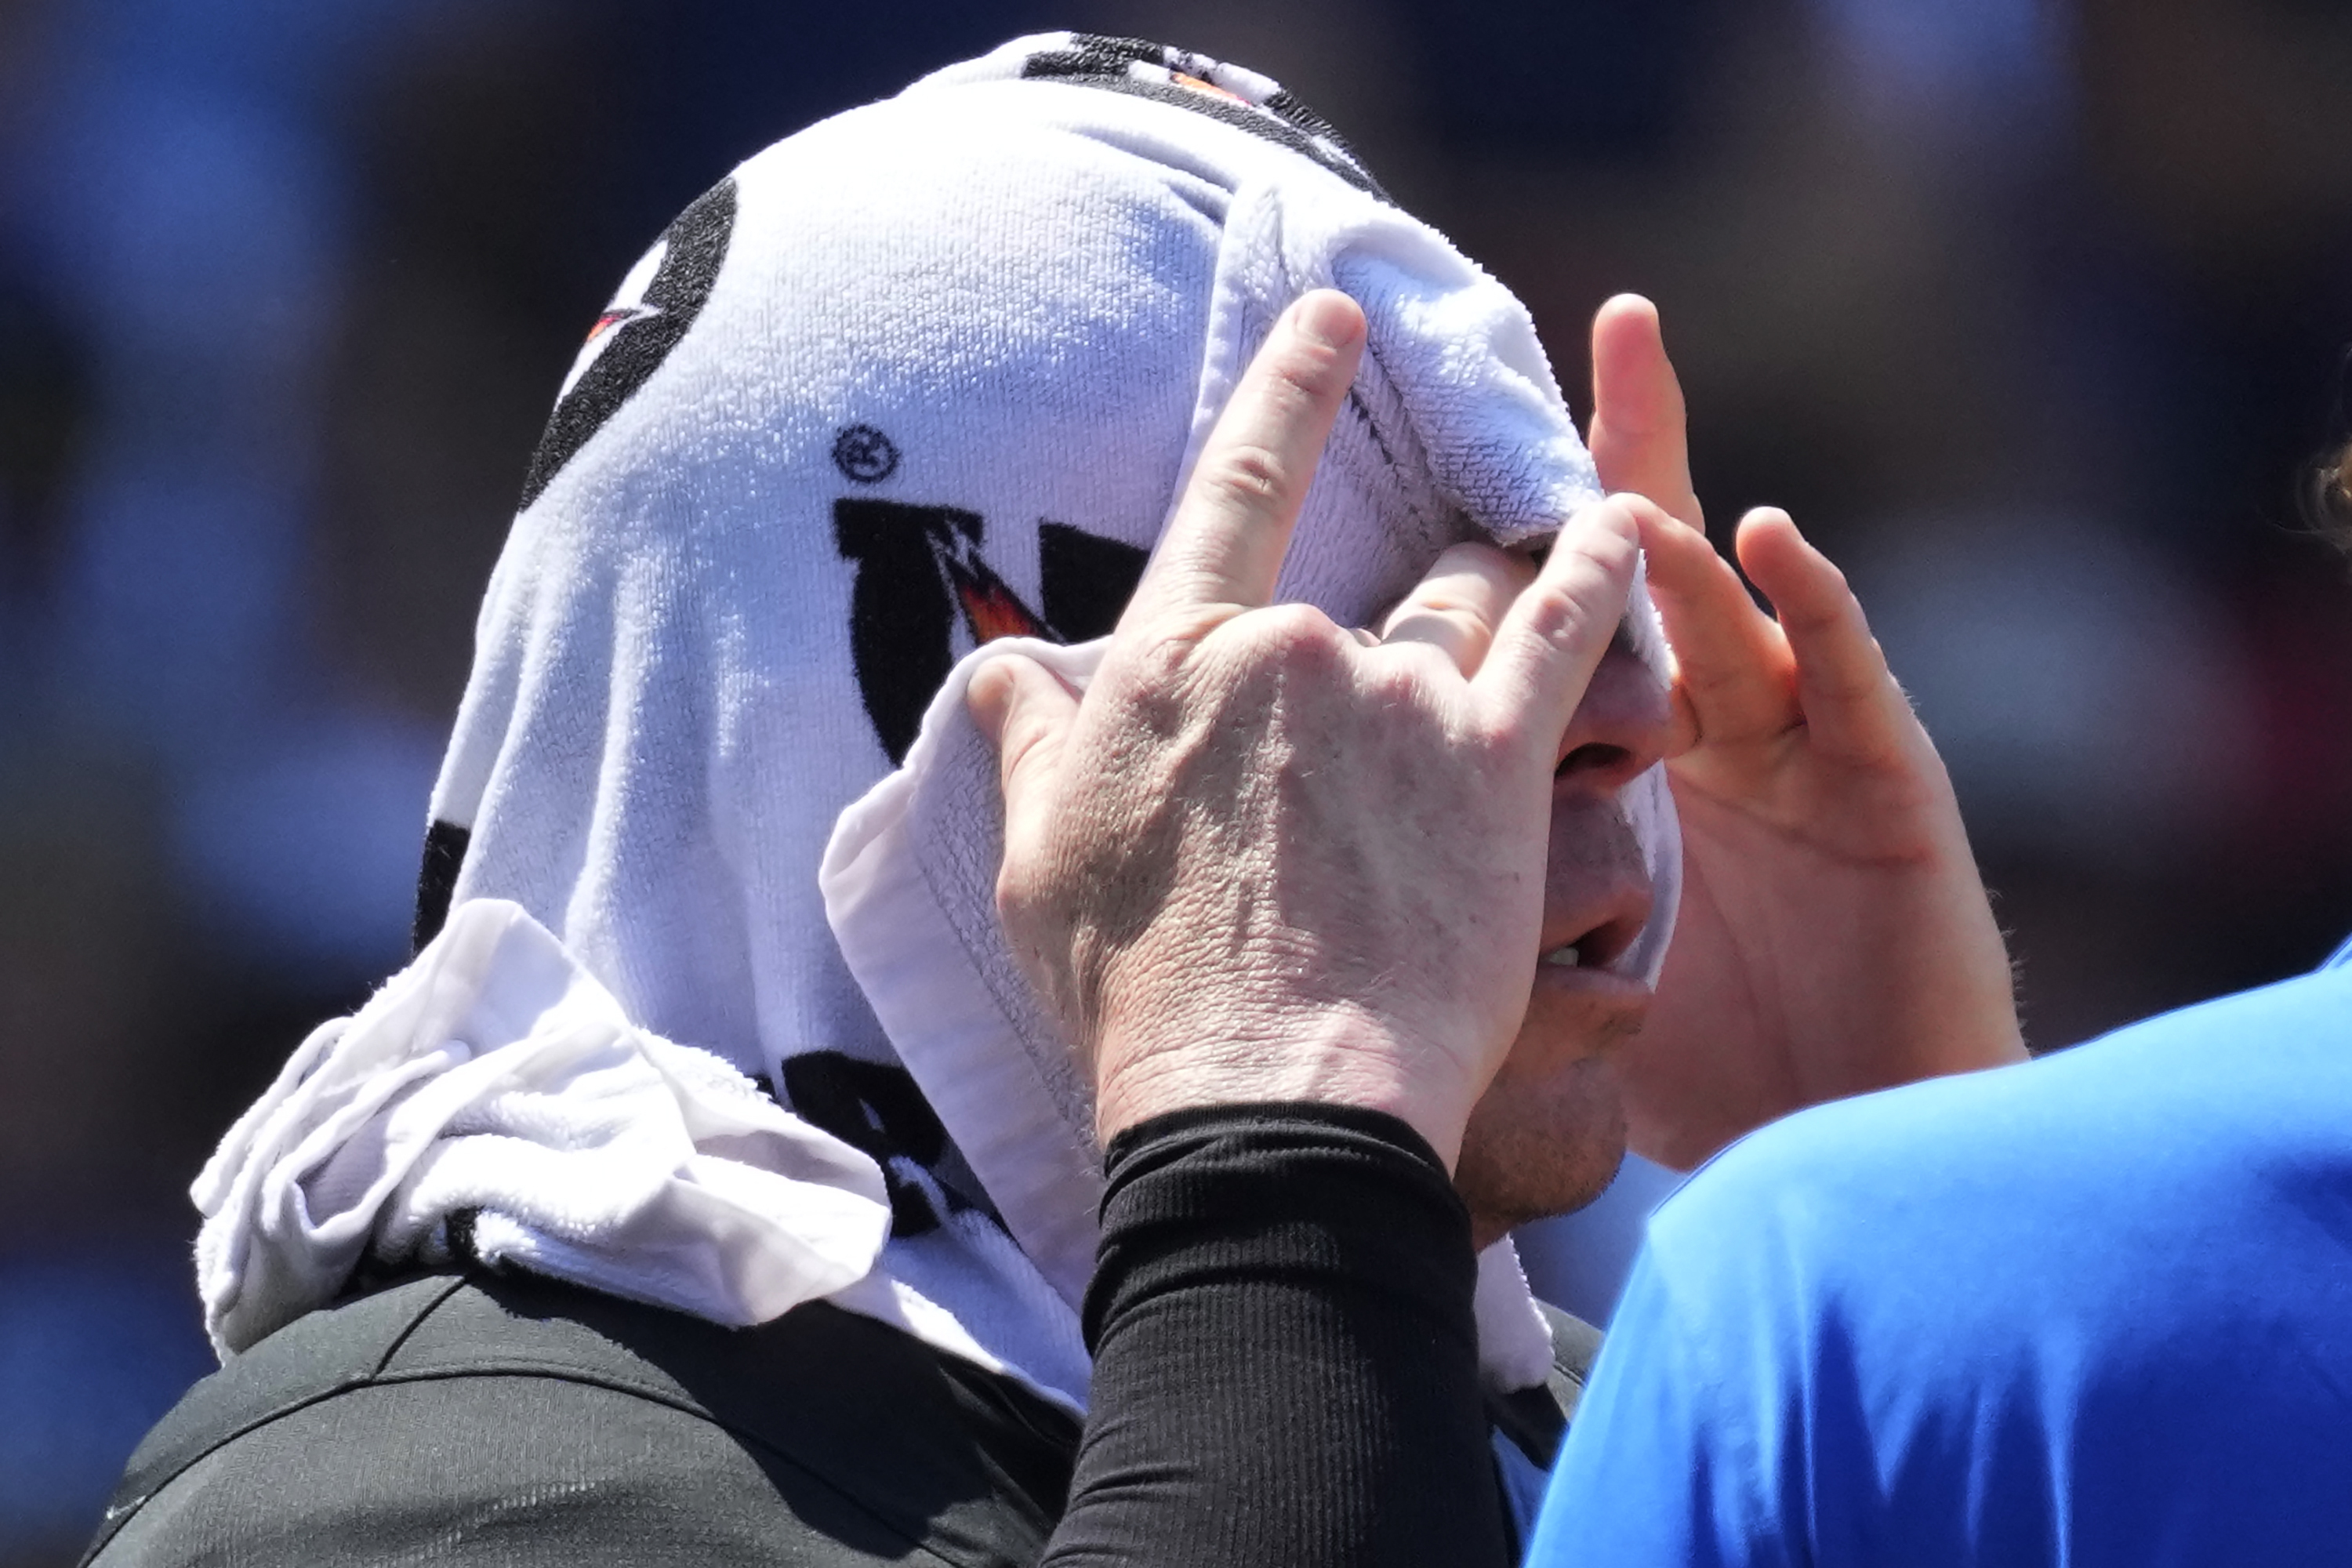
(923,376)
(493,1100)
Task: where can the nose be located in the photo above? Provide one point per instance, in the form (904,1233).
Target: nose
(1621,729)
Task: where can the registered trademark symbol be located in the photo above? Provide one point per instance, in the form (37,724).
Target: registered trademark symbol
(866,455)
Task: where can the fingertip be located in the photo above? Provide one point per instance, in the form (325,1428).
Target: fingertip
(1556,634)
(989,696)
(1230,528)
(1621,515)
(1643,512)
(1679,555)
(1328,317)
(1002,687)
(1630,307)
(1764,535)
(1606,534)
(1771,546)
(1629,351)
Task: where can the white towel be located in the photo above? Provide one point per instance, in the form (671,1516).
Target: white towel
(926,373)
(494,1087)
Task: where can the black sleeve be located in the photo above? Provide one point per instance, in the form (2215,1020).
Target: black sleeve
(1285,1361)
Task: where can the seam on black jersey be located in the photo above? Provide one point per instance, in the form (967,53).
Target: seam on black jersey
(456,1282)
(111,1524)
(652,1396)
(609,1385)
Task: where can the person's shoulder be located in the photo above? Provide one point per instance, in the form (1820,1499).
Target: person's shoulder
(2111,1281)
(528,1420)
(2172,1142)
(2083,1106)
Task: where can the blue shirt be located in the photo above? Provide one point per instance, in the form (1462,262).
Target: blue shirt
(2092,1309)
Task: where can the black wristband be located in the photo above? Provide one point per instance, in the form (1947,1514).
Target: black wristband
(1355,1198)
(1285,1355)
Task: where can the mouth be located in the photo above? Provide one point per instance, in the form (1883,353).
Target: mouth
(1593,946)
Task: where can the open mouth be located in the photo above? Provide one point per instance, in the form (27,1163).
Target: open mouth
(1598,947)
(1596,898)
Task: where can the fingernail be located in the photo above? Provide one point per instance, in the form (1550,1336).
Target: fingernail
(1611,514)
(989,700)
(1328,317)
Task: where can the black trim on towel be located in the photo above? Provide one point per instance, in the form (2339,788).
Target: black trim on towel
(694,249)
(1097,61)
(437,881)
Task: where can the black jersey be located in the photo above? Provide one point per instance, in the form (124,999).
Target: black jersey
(511,1419)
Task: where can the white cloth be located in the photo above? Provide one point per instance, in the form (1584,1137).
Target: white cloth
(494,1084)
(922,374)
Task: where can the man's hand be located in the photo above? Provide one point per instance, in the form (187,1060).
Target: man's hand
(1834,935)
(1267,858)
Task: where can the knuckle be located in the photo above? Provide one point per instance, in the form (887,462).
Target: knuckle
(1491,744)
(1462,624)
(1406,670)
(1822,620)
(1462,634)
(1293,622)
(1307,370)
(1472,573)
(1289,641)
(1154,660)
(1248,476)
(1557,614)
(1302,632)
(1029,749)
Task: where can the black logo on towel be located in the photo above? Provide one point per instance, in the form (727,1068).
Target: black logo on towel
(878,1111)
(919,572)
(651,315)
(437,879)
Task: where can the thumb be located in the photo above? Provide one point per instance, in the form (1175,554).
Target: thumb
(1026,710)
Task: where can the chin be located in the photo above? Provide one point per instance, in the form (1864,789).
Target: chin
(1540,1143)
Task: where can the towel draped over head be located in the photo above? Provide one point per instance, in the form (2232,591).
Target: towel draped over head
(926,374)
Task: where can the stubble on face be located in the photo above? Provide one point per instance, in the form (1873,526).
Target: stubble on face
(1544,1140)
(1548,1134)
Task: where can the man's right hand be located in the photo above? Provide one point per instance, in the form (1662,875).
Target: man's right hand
(1265,857)
(1834,935)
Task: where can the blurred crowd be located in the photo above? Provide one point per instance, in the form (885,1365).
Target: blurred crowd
(2033,314)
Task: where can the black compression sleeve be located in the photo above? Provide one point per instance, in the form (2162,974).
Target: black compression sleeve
(1286,1363)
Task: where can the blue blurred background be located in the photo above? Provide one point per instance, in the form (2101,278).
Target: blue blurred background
(2033,312)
